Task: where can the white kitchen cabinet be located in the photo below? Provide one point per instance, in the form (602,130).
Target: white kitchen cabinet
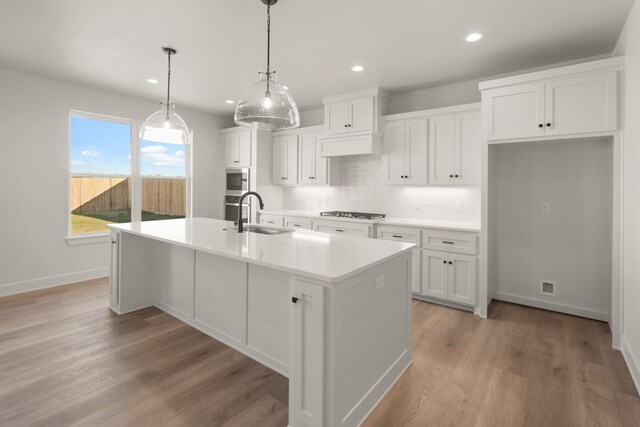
(313,168)
(114,288)
(237,149)
(298,223)
(449,276)
(454,149)
(515,112)
(581,104)
(568,104)
(343,227)
(274,220)
(285,160)
(306,359)
(405,151)
(406,235)
(355,115)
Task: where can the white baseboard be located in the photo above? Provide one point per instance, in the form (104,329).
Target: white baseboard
(632,362)
(546,305)
(51,281)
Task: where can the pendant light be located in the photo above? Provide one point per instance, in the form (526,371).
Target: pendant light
(267,104)
(165,125)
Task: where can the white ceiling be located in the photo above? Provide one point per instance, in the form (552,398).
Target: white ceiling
(404,44)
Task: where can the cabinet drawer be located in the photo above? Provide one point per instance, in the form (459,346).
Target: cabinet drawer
(275,220)
(297,223)
(449,241)
(399,234)
(343,227)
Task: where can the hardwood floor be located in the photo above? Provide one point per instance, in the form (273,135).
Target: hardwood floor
(65,359)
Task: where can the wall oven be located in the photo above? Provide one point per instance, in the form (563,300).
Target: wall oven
(231,207)
(237,181)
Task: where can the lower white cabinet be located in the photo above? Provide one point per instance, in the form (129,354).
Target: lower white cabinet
(449,276)
(343,227)
(275,220)
(306,356)
(297,223)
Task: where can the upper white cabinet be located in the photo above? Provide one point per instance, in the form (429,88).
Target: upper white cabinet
(454,149)
(405,151)
(313,168)
(350,116)
(351,123)
(570,100)
(237,149)
(285,160)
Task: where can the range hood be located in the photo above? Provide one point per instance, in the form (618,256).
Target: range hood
(352,144)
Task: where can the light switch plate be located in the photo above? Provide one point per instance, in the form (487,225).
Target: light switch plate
(545,208)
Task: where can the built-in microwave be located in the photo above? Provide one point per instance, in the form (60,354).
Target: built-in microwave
(231,207)
(237,181)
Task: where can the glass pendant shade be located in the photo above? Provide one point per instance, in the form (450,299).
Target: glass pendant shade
(166,126)
(267,105)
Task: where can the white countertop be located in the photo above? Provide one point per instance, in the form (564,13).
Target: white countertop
(407,222)
(322,256)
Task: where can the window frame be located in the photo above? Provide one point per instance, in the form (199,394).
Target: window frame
(136,177)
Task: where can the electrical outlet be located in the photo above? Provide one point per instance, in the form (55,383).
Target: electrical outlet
(545,208)
(458,205)
(379,282)
(416,204)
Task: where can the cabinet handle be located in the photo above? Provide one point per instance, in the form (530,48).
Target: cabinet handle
(447,243)
(444,261)
(540,125)
(450,176)
(548,125)
(450,262)
(113,242)
(345,125)
(296,225)
(396,236)
(294,300)
(236,161)
(348,126)
(457,176)
(339,231)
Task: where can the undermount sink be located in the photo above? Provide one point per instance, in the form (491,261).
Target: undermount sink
(265,230)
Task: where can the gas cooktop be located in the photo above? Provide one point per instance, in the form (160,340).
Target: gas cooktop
(354,215)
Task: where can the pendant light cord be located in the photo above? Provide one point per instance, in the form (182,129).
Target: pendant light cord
(268,47)
(168,80)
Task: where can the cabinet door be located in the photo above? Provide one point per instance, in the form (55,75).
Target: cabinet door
(434,273)
(416,151)
(307,159)
(467,148)
(442,150)
(114,276)
(279,160)
(337,117)
(415,270)
(360,115)
(462,279)
(394,158)
(306,358)
(322,164)
(515,112)
(581,104)
(244,149)
(232,150)
(291,166)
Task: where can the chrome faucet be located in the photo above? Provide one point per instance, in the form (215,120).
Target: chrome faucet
(248,193)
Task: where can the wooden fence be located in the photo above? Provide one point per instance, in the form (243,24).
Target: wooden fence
(101,194)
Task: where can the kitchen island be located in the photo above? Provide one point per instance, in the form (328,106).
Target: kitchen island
(330,312)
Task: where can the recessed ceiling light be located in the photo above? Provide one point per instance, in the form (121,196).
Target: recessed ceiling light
(473,37)
(153,81)
(357,68)
(229,101)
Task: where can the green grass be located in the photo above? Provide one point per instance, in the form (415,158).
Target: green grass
(96,222)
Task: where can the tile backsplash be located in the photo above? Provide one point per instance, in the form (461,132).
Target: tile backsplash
(363,190)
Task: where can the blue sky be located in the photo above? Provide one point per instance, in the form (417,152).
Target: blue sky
(102,147)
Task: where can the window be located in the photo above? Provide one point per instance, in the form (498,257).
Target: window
(115,178)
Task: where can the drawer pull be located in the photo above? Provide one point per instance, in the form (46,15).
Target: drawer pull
(396,236)
(340,231)
(296,225)
(447,243)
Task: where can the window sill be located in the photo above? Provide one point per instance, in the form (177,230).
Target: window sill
(87,240)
